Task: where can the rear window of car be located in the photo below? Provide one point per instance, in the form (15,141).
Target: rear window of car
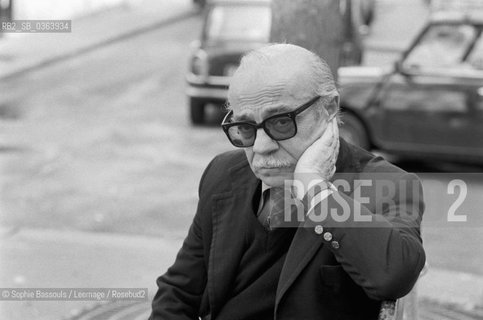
(476,56)
(443,46)
(238,23)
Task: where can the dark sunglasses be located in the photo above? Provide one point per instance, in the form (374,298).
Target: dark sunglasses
(278,127)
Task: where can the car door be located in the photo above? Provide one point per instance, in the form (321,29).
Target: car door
(434,104)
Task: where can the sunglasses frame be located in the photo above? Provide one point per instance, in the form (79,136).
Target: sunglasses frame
(291,114)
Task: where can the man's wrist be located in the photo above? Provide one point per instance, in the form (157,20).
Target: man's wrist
(311,189)
(313,201)
(309,184)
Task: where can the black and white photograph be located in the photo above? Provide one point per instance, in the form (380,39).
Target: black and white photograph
(241,159)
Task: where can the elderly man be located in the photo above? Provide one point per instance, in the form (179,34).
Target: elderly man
(246,256)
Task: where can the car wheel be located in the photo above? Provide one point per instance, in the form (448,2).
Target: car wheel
(197,111)
(353,131)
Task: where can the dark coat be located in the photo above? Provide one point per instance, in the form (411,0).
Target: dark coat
(342,276)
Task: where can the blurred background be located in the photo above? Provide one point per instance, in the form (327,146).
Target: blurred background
(105,132)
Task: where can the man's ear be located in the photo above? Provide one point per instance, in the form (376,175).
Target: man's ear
(333,107)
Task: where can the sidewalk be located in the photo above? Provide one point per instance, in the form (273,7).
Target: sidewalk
(73,259)
(20,53)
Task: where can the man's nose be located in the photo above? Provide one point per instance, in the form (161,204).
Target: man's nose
(263,143)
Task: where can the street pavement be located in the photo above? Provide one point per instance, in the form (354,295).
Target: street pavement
(25,52)
(49,258)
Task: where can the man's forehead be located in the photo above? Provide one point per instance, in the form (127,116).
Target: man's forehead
(253,89)
(271,99)
(258,96)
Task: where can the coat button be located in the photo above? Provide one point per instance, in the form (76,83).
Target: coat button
(319,229)
(327,236)
(335,244)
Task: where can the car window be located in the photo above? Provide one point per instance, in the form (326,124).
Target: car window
(475,59)
(238,23)
(442,46)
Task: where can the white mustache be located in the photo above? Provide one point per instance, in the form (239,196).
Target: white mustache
(271,163)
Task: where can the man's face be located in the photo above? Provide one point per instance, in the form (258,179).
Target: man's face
(259,98)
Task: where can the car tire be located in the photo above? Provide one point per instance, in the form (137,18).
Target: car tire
(353,131)
(197,111)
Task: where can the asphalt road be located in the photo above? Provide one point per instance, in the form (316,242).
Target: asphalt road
(102,143)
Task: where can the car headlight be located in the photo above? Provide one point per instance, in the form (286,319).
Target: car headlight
(229,70)
(197,65)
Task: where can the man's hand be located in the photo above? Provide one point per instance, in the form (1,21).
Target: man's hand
(318,161)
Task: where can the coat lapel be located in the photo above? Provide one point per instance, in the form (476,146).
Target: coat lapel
(304,246)
(306,242)
(227,244)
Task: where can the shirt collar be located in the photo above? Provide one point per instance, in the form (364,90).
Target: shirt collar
(265,187)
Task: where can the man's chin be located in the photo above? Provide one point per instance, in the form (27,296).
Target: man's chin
(273,180)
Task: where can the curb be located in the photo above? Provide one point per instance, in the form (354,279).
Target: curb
(83,238)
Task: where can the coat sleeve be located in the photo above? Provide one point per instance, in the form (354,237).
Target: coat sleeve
(181,288)
(376,237)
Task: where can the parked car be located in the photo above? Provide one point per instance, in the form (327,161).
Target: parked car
(233,27)
(230,29)
(430,103)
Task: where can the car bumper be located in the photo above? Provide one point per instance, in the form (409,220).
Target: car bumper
(208,87)
(207,92)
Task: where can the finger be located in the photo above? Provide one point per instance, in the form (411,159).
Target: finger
(335,126)
(334,149)
(328,135)
(335,132)
(331,136)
